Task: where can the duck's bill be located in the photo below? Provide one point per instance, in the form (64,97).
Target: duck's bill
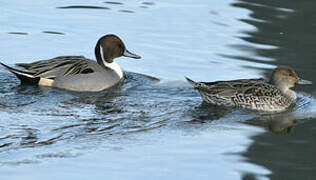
(131,55)
(302,81)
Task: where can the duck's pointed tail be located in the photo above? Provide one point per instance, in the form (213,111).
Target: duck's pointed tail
(198,85)
(193,83)
(24,76)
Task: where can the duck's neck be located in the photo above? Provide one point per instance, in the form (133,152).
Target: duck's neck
(106,62)
(287,91)
(290,94)
(115,67)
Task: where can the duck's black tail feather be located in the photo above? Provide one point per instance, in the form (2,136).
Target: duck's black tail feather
(24,65)
(24,76)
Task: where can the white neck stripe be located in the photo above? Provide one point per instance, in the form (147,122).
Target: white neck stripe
(113,65)
(101,53)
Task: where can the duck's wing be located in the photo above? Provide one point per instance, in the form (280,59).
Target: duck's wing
(258,89)
(50,62)
(240,87)
(228,88)
(62,65)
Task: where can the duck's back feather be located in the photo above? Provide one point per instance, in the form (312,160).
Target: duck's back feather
(62,65)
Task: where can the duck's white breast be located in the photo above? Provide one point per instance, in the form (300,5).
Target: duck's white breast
(116,68)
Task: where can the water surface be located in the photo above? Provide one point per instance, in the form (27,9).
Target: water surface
(150,128)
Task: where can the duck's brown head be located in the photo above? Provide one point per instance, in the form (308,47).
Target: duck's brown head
(285,77)
(109,47)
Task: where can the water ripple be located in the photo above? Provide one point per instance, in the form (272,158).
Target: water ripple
(82,7)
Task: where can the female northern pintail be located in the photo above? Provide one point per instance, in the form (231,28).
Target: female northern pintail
(77,73)
(256,94)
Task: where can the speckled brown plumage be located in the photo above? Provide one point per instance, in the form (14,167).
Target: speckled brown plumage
(256,94)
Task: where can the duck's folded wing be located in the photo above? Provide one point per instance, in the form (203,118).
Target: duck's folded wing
(62,65)
(259,89)
(220,89)
(229,88)
(50,62)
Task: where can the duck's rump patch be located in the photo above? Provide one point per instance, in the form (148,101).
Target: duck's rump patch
(46,82)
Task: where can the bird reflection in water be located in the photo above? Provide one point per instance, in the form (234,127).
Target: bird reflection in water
(282,123)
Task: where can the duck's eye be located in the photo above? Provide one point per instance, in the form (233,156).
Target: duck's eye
(120,45)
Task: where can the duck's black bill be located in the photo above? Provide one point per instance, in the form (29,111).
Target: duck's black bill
(302,81)
(131,55)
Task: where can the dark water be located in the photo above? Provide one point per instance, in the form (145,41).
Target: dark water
(149,128)
(290,27)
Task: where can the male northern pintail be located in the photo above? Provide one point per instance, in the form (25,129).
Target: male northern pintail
(77,73)
(256,94)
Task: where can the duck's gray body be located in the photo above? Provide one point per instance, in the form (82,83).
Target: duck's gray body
(77,73)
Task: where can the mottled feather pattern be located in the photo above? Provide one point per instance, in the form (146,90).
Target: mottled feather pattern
(245,93)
